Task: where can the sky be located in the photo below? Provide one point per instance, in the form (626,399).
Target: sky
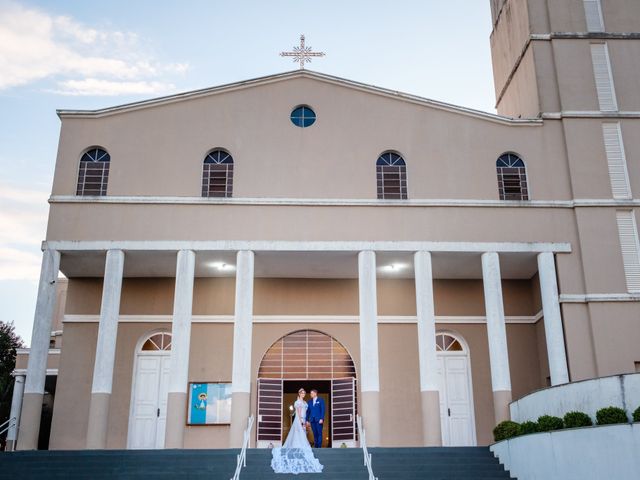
(78,54)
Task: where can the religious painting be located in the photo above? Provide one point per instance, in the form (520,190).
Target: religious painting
(209,403)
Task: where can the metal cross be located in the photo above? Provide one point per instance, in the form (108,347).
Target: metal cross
(302,53)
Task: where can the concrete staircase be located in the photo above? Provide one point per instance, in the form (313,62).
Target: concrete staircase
(339,464)
(436,463)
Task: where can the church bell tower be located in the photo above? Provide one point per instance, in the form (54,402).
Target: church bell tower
(555,57)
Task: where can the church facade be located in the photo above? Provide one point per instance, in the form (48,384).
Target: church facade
(420,264)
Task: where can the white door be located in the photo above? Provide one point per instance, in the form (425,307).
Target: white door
(455,400)
(149,403)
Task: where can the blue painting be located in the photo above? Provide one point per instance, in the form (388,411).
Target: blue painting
(209,403)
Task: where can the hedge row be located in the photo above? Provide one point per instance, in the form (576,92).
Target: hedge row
(548,423)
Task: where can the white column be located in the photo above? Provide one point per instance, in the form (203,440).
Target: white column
(37,364)
(180,349)
(497,333)
(16,407)
(105,351)
(242,341)
(552,319)
(369,362)
(429,381)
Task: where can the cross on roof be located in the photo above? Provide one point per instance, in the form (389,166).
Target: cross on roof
(302,53)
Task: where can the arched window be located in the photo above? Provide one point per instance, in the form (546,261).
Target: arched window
(391,173)
(512,177)
(448,343)
(158,342)
(217,174)
(93,175)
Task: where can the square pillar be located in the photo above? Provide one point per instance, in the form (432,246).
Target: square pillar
(105,351)
(16,408)
(369,362)
(497,334)
(553,330)
(429,381)
(242,341)
(180,349)
(40,338)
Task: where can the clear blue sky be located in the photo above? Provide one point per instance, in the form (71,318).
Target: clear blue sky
(89,54)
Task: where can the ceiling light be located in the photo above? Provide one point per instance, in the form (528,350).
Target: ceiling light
(223,267)
(394,267)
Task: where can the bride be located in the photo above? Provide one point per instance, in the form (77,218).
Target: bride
(296,456)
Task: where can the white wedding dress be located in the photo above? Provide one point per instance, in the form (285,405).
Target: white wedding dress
(296,456)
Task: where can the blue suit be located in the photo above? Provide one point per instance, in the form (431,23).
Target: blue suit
(315,413)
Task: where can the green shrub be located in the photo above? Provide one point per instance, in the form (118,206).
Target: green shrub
(505,430)
(636,415)
(529,427)
(577,419)
(611,415)
(547,423)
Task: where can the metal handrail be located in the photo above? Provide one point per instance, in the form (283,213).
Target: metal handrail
(11,423)
(242,458)
(363,445)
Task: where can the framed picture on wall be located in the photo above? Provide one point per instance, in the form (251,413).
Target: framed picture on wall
(209,403)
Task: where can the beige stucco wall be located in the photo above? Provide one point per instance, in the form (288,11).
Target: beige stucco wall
(300,296)
(302,163)
(211,346)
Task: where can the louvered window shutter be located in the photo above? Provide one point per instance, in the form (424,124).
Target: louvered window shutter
(628,232)
(603,77)
(616,161)
(593,12)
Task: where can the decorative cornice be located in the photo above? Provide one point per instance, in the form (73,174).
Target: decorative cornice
(383,319)
(309,246)
(294,74)
(23,372)
(599,297)
(23,351)
(589,114)
(343,202)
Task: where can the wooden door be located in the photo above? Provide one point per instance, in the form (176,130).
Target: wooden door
(343,412)
(270,395)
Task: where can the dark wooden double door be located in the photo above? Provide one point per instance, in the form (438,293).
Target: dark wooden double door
(276,396)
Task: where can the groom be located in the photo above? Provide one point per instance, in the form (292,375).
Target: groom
(315,417)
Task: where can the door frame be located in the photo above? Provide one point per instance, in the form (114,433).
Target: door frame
(466,352)
(137,353)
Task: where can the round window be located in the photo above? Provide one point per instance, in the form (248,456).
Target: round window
(303,116)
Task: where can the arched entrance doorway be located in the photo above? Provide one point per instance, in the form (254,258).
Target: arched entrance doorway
(307,359)
(148,412)
(456,395)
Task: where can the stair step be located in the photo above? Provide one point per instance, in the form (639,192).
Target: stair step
(465,463)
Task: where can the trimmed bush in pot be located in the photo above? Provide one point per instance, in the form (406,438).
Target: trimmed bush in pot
(505,430)
(529,427)
(611,415)
(577,419)
(548,423)
(636,415)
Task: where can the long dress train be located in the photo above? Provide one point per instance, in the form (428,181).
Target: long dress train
(296,456)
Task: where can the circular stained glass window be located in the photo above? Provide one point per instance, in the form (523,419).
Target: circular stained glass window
(303,116)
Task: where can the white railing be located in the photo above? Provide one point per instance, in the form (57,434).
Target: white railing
(7,425)
(363,445)
(242,457)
